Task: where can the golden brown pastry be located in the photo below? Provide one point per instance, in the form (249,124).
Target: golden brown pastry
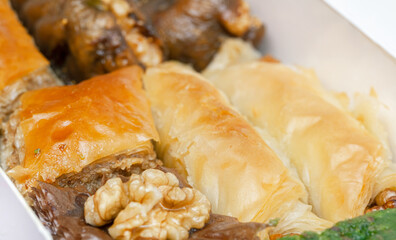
(22,67)
(221,154)
(82,133)
(335,156)
(19,57)
(368,110)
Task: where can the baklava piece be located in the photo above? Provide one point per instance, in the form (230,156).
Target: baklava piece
(22,67)
(81,135)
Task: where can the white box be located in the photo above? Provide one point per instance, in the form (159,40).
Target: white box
(305,32)
(311,34)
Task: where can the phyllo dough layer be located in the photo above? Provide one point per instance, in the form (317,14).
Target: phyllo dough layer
(22,67)
(19,56)
(369,110)
(220,152)
(335,156)
(61,130)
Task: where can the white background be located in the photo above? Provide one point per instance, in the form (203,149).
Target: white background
(376,18)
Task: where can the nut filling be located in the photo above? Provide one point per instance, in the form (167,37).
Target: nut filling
(151,205)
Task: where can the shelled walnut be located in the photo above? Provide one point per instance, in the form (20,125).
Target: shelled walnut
(151,205)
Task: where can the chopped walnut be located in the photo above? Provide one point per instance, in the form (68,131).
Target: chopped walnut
(238,21)
(146,49)
(144,46)
(120,8)
(151,205)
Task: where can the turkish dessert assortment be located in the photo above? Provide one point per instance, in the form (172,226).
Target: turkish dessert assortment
(158,119)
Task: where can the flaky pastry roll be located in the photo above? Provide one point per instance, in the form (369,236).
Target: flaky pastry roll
(335,156)
(221,154)
(368,109)
(83,133)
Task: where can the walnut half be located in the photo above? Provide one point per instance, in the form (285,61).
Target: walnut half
(151,205)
